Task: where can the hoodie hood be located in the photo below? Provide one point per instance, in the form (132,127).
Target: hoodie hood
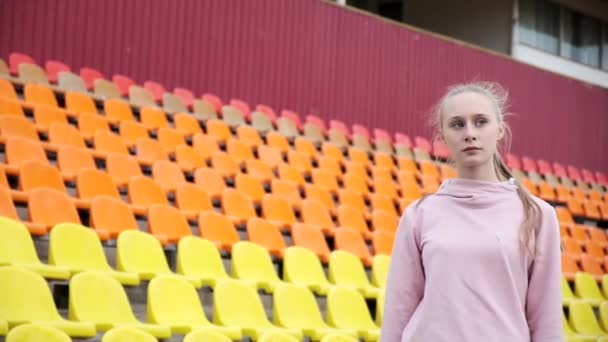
(477,193)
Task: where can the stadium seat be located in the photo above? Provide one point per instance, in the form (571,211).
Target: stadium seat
(123,83)
(288,172)
(311,238)
(77,103)
(270,156)
(7,91)
(153,117)
(329,165)
(111,216)
(140,96)
(358,156)
(572,248)
(122,167)
(149,150)
(188,158)
(313,133)
(586,287)
(141,253)
(569,266)
(185,95)
(68,81)
(267,235)
(596,252)
(8,210)
(89,75)
(225,164)
(31,73)
(382,242)
(598,236)
(384,204)
(350,240)
(17,249)
(287,190)
(379,308)
(44,116)
(27,298)
(307,317)
(583,320)
(34,174)
(131,131)
(91,183)
(385,187)
(233,116)
(277,140)
(332,151)
(314,213)
(211,180)
(237,304)
(237,205)
(259,170)
(267,111)
(127,333)
(238,150)
(100,299)
(39,94)
(592,266)
(325,180)
(383,220)
(287,128)
(10,107)
(36,332)
(218,129)
(337,138)
(15,126)
(144,192)
(381,173)
(90,123)
(356,184)
(305,146)
(17,58)
(214,100)
(175,303)
(346,309)
(167,223)
(192,200)
(187,124)
(352,218)
(249,186)
(117,110)
(173,103)
(169,139)
(78,249)
(107,143)
(277,210)
(579,234)
(65,134)
(168,175)
(261,122)
(567,294)
(219,229)
(302,267)
(345,270)
(47,207)
(251,262)
(200,258)
(380,268)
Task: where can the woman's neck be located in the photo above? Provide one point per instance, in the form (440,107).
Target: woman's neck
(485,172)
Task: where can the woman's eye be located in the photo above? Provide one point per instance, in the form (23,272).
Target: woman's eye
(481,122)
(457,124)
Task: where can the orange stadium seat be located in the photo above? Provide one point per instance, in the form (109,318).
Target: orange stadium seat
(575,207)
(90,123)
(39,94)
(329,165)
(382,242)
(211,180)
(383,220)
(191,199)
(48,207)
(259,170)
(350,240)
(10,107)
(315,213)
(572,248)
(7,91)
(358,156)
(167,174)
(271,156)
(110,216)
(311,238)
(206,145)
(117,110)
(277,140)
(144,192)
(238,150)
(249,186)
(290,173)
(167,223)
(35,174)
(219,229)
(266,235)
(356,169)
(91,183)
(305,146)
(353,218)
(7,209)
(237,205)
(278,211)
(598,236)
(595,251)
(355,184)
(122,167)
(187,124)
(19,150)
(45,116)
(320,194)
(384,203)
(218,129)
(299,161)
(188,158)
(592,266)
(352,198)
(150,150)
(564,216)
(225,164)
(325,180)
(130,131)
(332,151)
(592,210)
(249,136)
(65,134)
(76,102)
(384,160)
(107,143)
(287,190)
(11,126)
(169,139)
(379,172)
(385,187)
(579,233)
(153,117)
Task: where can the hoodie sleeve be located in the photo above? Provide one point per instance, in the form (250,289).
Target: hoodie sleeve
(405,284)
(544,299)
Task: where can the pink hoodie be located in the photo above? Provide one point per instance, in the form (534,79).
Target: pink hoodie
(458,272)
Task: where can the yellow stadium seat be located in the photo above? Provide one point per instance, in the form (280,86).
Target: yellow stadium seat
(346,270)
(17,249)
(567,294)
(604,315)
(276,336)
(37,332)
(198,257)
(78,248)
(380,270)
(237,304)
(380,308)
(252,262)
(3,327)
(339,338)
(583,320)
(346,309)
(174,302)
(100,299)
(26,297)
(586,288)
(302,267)
(206,336)
(306,317)
(127,334)
(141,253)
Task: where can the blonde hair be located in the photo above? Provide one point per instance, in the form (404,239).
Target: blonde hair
(499,98)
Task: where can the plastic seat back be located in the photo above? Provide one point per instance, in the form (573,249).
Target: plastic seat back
(167,174)
(312,239)
(140,253)
(144,191)
(382,242)
(44,116)
(586,287)
(34,174)
(118,110)
(347,239)
(89,75)
(90,123)
(49,207)
(108,143)
(65,134)
(19,150)
(91,183)
(76,247)
(190,198)
(237,204)
(37,332)
(211,180)
(168,222)
(16,244)
(315,213)
(16,126)
(111,215)
(267,235)
(287,297)
(121,168)
(174,301)
(217,228)
(189,158)
(237,304)
(200,258)
(249,136)
(71,82)
(346,309)
(252,262)
(302,267)
(380,269)
(259,170)
(150,150)
(77,102)
(186,124)
(583,319)
(249,186)
(383,220)
(131,334)
(218,129)
(346,269)
(131,131)
(276,208)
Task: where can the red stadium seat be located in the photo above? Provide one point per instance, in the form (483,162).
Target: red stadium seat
(156,89)
(16,58)
(186,96)
(89,75)
(53,68)
(123,83)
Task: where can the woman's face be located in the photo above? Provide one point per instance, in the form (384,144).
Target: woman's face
(470,129)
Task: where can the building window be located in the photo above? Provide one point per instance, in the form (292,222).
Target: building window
(581,38)
(550,27)
(539,24)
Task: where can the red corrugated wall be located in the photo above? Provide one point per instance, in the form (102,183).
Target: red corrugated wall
(309,56)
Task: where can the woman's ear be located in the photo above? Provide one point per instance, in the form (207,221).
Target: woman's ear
(501,131)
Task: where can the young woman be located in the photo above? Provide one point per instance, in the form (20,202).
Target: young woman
(479,260)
